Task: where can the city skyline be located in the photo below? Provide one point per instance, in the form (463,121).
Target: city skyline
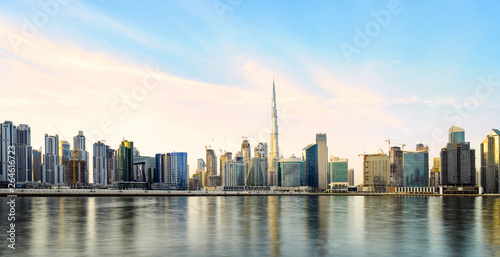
(200,92)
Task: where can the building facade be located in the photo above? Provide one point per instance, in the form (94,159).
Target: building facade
(490,162)
(125,161)
(397,169)
(376,170)
(458,161)
(416,169)
(24,154)
(52,171)
(291,172)
(274,155)
(233,173)
(176,170)
(338,170)
(310,157)
(322,161)
(100,167)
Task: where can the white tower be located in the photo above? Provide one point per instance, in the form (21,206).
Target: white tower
(274,149)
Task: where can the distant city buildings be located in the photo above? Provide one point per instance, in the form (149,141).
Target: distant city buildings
(397,168)
(24,154)
(52,171)
(350,177)
(310,157)
(435,177)
(125,161)
(100,167)
(322,161)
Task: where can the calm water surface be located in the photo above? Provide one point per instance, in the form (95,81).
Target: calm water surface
(255,226)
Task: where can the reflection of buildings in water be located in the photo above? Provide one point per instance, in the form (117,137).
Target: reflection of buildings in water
(490,207)
(458,223)
(91,226)
(273,213)
(126,222)
(61,221)
(316,224)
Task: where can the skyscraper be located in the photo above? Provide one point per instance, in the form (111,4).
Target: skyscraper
(322,161)
(9,136)
(37,165)
(490,162)
(310,157)
(24,154)
(212,177)
(100,168)
(125,161)
(176,170)
(274,150)
(112,175)
(350,177)
(245,149)
(80,146)
(233,173)
(201,164)
(435,178)
(458,161)
(64,151)
(52,171)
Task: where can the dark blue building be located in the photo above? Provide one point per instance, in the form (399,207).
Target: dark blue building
(310,156)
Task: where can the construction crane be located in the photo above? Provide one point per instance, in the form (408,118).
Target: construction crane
(75,154)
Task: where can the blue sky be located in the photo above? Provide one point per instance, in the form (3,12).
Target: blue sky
(216,67)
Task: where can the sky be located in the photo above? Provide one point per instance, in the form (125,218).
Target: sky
(181,75)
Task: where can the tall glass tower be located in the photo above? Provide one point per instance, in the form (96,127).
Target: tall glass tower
(274,149)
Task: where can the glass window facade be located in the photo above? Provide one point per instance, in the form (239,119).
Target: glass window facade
(416,169)
(338,171)
(310,157)
(176,170)
(291,173)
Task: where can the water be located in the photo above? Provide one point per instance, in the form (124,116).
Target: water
(255,226)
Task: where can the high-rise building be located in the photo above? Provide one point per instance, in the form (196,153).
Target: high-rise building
(458,161)
(233,173)
(160,168)
(376,169)
(213,179)
(350,176)
(24,154)
(338,170)
(490,162)
(9,139)
(255,172)
(397,169)
(75,172)
(52,171)
(274,150)
(201,164)
(322,161)
(310,157)
(125,161)
(176,170)
(37,164)
(291,172)
(416,167)
(100,168)
(112,175)
(82,155)
(435,178)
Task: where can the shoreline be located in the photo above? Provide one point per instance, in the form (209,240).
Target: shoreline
(161,193)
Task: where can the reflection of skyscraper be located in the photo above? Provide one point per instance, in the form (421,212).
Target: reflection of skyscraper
(274,150)
(458,161)
(322,160)
(490,161)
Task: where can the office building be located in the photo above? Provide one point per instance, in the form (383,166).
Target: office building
(223,158)
(233,173)
(322,161)
(255,172)
(338,170)
(490,156)
(291,172)
(112,175)
(458,161)
(79,147)
(176,170)
(24,154)
(125,161)
(245,150)
(310,157)
(213,179)
(64,151)
(416,167)
(75,173)
(201,164)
